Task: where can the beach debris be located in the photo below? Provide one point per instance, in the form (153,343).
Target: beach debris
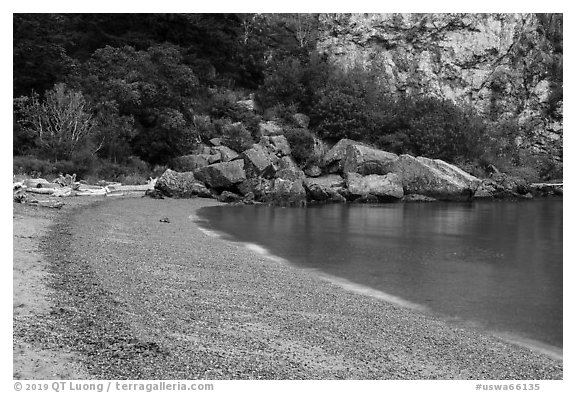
(67,186)
(63,192)
(67,180)
(165,219)
(20,196)
(48,203)
(45,191)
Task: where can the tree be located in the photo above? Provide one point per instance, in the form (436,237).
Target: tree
(153,87)
(62,124)
(39,55)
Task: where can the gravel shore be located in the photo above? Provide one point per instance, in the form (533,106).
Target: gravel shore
(132,297)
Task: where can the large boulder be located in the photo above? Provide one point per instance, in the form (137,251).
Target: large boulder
(181,185)
(384,187)
(327,188)
(287,169)
(226,154)
(367,160)
(434,178)
(257,187)
(259,162)
(215,141)
(222,175)
(313,170)
(229,197)
(288,192)
(276,145)
(333,159)
(281,145)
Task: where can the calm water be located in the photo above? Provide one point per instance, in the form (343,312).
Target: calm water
(496,266)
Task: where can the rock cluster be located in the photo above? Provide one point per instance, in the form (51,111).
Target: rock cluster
(348,172)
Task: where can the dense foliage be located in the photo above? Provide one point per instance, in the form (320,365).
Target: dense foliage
(114,94)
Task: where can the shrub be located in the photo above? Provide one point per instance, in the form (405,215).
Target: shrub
(32,166)
(550,169)
(236,137)
(283,84)
(61,124)
(36,167)
(282,112)
(302,145)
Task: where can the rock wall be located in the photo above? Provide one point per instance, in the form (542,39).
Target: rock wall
(509,66)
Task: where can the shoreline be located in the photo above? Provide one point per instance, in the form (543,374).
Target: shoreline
(541,347)
(206,308)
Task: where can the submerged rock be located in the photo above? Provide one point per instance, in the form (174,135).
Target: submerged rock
(418,198)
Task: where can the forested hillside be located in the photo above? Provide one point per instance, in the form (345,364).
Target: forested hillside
(122,95)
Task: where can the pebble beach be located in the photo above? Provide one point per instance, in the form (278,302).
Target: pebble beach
(127,294)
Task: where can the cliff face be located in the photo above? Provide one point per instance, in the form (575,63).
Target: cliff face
(508,66)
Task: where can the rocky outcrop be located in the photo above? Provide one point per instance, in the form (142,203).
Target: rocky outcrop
(333,160)
(181,185)
(328,188)
(222,175)
(434,178)
(505,65)
(226,154)
(367,160)
(287,192)
(277,145)
(281,145)
(313,171)
(229,197)
(418,198)
(547,189)
(287,169)
(264,173)
(259,162)
(384,187)
(268,128)
(257,187)
(503,186)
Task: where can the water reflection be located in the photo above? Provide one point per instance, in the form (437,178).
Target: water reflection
(497,264)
